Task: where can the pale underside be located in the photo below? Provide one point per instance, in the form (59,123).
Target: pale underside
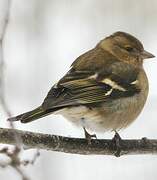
(113,116)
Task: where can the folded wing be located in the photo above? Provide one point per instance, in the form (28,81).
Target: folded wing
(90,88)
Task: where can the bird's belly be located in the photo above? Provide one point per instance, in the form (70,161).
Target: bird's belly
(115,115)
(84,117)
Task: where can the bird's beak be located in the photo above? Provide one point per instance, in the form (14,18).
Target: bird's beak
(146,55)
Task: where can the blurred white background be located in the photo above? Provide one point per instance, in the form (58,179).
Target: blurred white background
(42,40)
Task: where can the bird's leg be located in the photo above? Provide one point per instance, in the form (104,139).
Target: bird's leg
(117,139)
(89,136)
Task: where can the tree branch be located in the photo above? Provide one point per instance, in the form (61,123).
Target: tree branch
(78,145)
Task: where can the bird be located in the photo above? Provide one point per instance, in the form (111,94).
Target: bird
(105,89)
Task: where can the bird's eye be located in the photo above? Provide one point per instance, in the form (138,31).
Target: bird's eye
(129,48)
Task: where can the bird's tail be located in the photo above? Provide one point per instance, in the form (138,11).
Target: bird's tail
(31,115)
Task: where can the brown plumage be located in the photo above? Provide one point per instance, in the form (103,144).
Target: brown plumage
(105,89)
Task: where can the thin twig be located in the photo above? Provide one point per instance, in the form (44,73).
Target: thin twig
(4,25)
(23,175)
(15,161)
(27,162)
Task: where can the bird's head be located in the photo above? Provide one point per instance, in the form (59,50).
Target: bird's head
(126,48)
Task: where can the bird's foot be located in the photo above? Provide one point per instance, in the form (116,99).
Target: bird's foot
(144,140)
(117,140)
(88,136)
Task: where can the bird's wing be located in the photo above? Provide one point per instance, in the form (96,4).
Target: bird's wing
(91,88)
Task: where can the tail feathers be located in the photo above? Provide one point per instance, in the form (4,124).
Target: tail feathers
(31,115)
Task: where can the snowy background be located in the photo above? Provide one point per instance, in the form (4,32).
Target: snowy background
(42,40)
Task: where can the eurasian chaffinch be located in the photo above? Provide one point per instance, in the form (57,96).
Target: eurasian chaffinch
(105,89)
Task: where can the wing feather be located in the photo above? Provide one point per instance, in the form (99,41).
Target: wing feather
(77,88)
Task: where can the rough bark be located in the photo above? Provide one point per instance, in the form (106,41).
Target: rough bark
(78,145)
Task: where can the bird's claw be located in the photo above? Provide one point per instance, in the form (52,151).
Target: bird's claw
(88,136)
(117,140)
